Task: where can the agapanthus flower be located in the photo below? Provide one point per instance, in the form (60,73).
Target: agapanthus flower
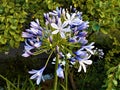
(77,39)
(60,72)
(36,25)
(37,75)
(61,62)
(72,19)
(60,28)
(98,52)
(32,37)
(65,32)
(83,25)
(27,50)
(56,12)
(83,58)
(83,62)
(88,48)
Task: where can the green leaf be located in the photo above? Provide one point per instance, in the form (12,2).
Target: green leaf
(12,33)
(13,27)
(2,18)
(119,77)
(22,20)
(12,43)
(115,82)
(1,10)
(96,27)
(104,32)
(3,41)
(102,14)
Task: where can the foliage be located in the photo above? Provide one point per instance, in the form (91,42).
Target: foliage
(102,14)
(18,85)
(12,17)
(113,78)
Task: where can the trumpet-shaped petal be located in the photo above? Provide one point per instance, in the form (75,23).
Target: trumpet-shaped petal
(56,12)
(26,54)
(89,48)
(83,64)
(36,25)
(27,35)
(37,75)
(72,19)
(83,58)
(83,25)
(60,72)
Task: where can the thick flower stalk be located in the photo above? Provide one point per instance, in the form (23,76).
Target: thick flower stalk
(64,33)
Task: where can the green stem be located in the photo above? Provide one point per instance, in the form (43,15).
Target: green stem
(56,78)
(49,58)
(66,74)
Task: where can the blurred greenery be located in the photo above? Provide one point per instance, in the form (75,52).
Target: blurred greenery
(104,30)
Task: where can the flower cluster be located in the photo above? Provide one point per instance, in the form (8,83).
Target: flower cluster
(65,34)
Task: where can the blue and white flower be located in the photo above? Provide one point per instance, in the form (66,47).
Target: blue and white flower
(83,58)
(60,28)
(37,75)
(72,19)
(88,48)
(65,32)
(60,72)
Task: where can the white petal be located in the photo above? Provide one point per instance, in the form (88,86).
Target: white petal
(51,13)
(92,43)
(26,35)
(33,76)
(88,62)
(62,35)
(55,32)
(25,54)
(89,50)
(73,63)
(34,24)
(63,63)
(87,57)
(65,24)
(54,25)
(59,22)
(35,31)
(54,59)
(73,16)
(77,21)
(68,15)
(38,80)
(80,68)
(37,21)
(66,30)
(28,48)
(33,71)
(84,67)
(60,72)
(63,11)
(68,55)
(38,44)
(52,62)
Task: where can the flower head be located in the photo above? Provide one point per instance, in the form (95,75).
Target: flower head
(88,48)
(60,72)
(83,58)
(37,75)
(64,32)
